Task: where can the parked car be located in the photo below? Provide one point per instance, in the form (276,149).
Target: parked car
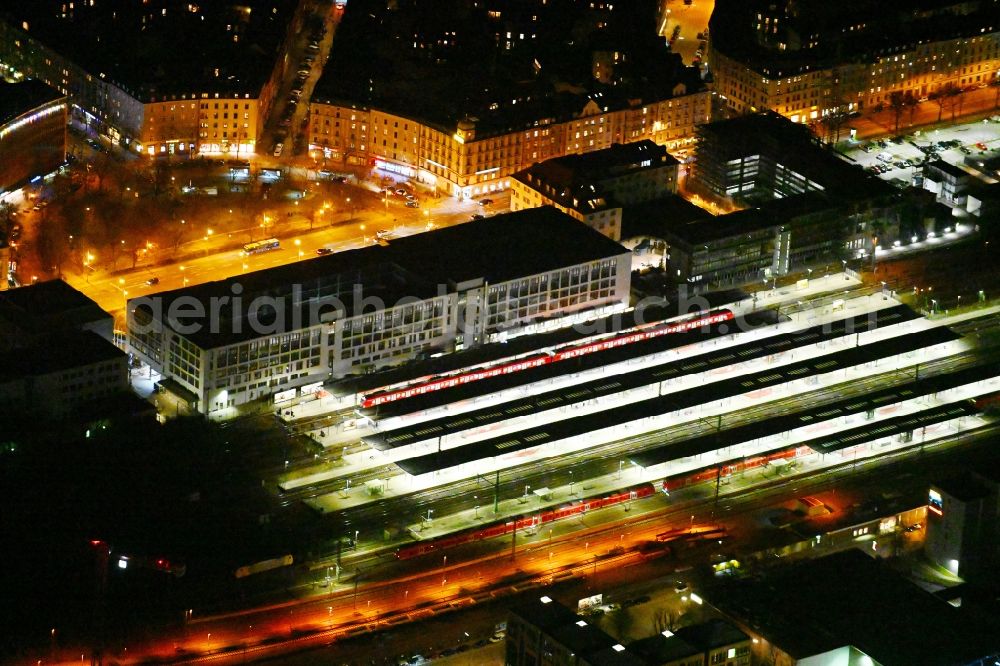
(153,281)
(323,250)
(478,216)
(413,203)
(485,202)
(401,192)
(278,148)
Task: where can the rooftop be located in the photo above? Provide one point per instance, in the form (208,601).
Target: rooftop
(56,353)
(948,169)
(856,600)
(494,249)
(446,62)
(574,181)
(46,306)
(793,146)
(229,47)
(818,35)
(585,640)
(545,614)
(712,635)
(652,217)
(964,488)
(659,649)
(17,99)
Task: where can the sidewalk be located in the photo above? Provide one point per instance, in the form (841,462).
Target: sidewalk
(978,103)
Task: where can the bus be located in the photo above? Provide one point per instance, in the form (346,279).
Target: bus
(261,246)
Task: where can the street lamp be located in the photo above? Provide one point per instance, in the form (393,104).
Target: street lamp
(476,500)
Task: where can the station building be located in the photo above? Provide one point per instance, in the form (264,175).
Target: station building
(32,132)
(354,312)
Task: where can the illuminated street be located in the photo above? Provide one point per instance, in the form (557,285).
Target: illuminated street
(500,332)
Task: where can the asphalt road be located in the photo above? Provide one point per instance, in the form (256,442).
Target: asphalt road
(692,19)
(219,256)
(446,589)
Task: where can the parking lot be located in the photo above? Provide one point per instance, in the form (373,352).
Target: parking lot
(899,159)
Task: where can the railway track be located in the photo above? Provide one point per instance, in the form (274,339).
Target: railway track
(604,459)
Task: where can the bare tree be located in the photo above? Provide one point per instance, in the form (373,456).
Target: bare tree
(620,622)
(51,242)
(897,104)
(666,619)
(6,219)
(951,98)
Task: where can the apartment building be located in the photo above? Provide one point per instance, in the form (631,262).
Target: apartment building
(32,132)
(56,352)
(123,75)
(594,186)
(229,342)
(479,155)
(807,61)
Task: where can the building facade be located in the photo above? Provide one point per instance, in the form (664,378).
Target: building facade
(806,63)
(358,311)
(61,375)
(593,187)
(57,352)
(150,108)
(32,132)
(801,204)
(475,157)
(962,518)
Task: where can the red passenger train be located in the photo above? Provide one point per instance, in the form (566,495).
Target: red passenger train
(589,504)
(546,516)
(562,354)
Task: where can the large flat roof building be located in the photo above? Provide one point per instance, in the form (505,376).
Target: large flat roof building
(849,608)
(57,352)
(256,334)
(33,312)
